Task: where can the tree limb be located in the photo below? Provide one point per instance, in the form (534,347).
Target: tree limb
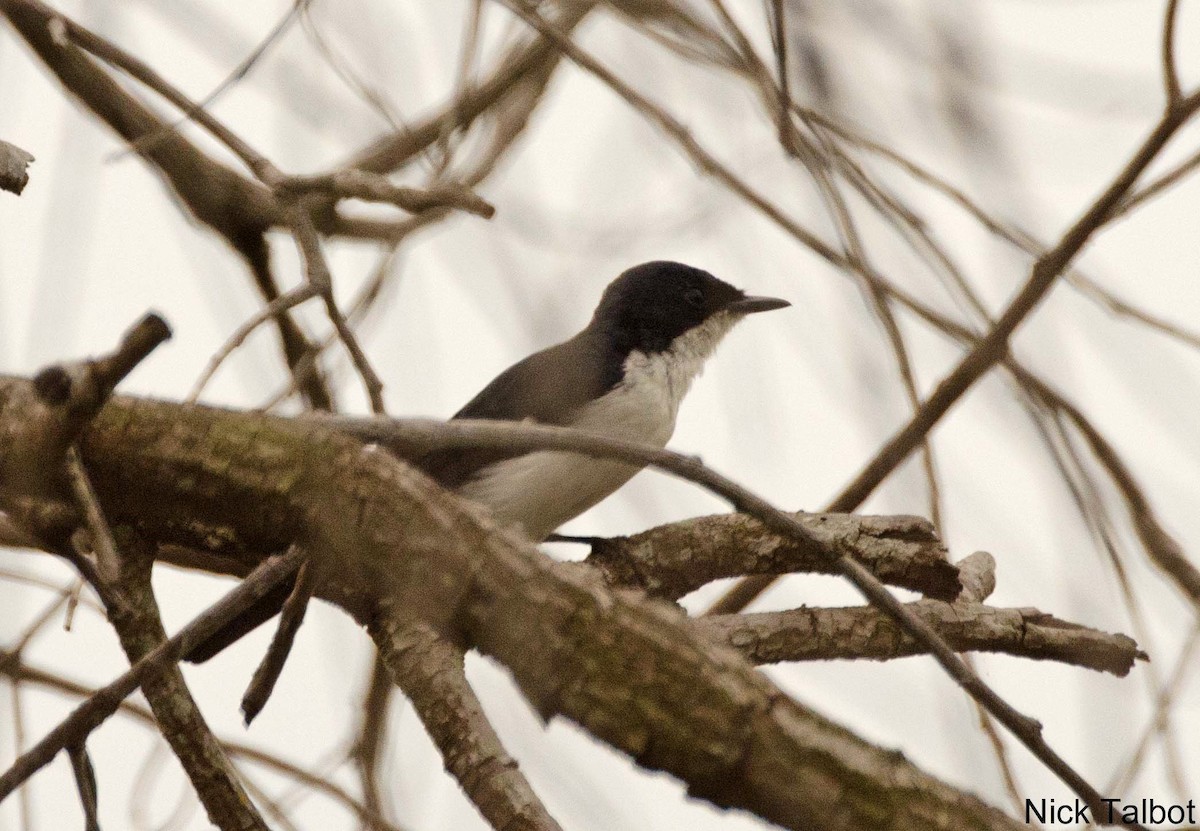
(429,670)
(395,551)
(671,560)
(967,625)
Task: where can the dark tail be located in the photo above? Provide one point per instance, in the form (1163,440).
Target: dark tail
(265,608)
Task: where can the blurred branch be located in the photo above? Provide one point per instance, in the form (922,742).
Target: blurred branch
(316,272)
(261,167)
(1165,552)
(236,208)
(526,66)
(367,751)
(85,784)
(1170,68)
(272,663)
(215,195)
(993,347)
(358,184)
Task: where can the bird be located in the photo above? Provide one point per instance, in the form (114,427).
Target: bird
(624,375)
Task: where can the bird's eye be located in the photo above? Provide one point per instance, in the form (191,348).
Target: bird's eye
(694,297)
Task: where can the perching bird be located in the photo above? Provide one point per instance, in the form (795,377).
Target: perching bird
(624,375)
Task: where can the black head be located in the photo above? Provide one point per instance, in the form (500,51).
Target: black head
(651,304)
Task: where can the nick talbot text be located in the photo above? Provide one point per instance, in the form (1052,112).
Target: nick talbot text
(1142,811)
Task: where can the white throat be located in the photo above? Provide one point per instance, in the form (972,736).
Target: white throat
(540,491)
(674,369)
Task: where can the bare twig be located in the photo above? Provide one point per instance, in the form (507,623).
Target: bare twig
(108,561)
(272,663)
(317,273)
(85,784)
(367,751)
(195,111)
(1169,67)
(82,389)
(92,713)
(1162,706)
(361,184)
(271,311)
(19,671)
(519,67)
(1164,550)
(139,70)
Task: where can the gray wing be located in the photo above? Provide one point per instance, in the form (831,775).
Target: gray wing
(548,387)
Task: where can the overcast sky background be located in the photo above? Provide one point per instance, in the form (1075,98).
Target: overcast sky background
(792,406)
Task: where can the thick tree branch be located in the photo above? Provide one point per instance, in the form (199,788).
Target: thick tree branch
(414,435)
(672,560)
(393,549)
(429,670)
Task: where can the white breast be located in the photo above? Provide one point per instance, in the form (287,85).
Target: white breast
(541,491)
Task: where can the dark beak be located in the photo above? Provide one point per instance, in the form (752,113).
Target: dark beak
(750,305)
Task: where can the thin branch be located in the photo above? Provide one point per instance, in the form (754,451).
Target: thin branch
(271,311)
(316,271)
(272,663)
(142,72)
(261,167)
(1164,550)
(15,669)
(526,61)
(367,751)
(361,184)
(1172,177)
(1170,68)
(108,561)
(1162,706)
(92,713)
(85,784)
